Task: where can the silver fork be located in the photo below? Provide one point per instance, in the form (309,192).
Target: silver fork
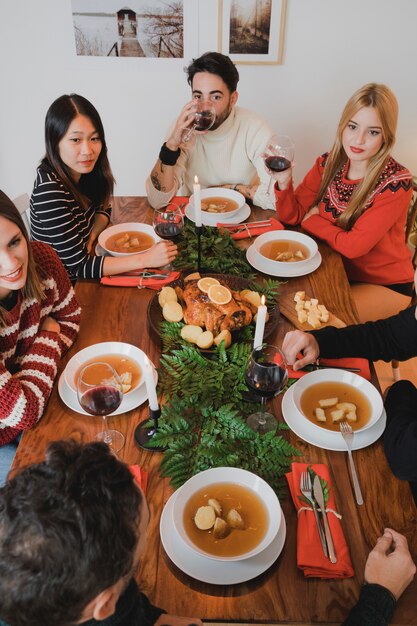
(347,434)
(307,491)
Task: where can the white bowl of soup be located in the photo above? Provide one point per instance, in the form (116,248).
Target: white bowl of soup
(127,239)
(219,203)
(248,508)
(329,396)
(286,249)
(126,360)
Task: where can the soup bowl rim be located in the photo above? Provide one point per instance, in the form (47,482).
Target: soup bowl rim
(279,235)
(127,226)
(346,377)
(241,477)
(231,194)
(100,350)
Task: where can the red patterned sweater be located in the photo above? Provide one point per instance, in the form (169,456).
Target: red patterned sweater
(29,357)
(374,250)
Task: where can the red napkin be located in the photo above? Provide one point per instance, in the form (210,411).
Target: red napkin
(251,231)
(347,362)
(310,556)
(126,280)
(181,200)
(140,475)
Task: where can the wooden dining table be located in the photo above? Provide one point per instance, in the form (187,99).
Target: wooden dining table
(281,594)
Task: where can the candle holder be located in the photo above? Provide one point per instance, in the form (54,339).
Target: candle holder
(198,230)
(143,434)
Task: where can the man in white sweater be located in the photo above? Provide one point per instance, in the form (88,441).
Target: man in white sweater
(228,155)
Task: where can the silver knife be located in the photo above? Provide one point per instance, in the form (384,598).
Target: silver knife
(319,496)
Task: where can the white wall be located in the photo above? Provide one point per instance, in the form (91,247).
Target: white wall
(332,48)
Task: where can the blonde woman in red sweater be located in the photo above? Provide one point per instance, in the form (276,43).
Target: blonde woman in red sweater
(39,321)
(356,198)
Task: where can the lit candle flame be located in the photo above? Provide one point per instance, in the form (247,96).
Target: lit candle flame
(196,180)
(263,300)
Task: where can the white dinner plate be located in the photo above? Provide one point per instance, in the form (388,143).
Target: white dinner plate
(327,439)
(129,402)
(208,570)
(212,219)
(308,267)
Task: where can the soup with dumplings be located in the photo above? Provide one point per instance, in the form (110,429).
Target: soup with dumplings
(128,370)
(130,242)
(231,496)
(218,205)
(322,395)
(284,251)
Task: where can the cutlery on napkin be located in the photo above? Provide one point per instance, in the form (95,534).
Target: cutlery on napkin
(152,280)
(310,556)
(352,364)
(250,229)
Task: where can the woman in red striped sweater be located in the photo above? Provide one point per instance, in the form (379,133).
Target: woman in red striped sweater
(39,321)
(356,198)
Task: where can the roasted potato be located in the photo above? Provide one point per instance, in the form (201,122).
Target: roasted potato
(221,528)
(225,336)
(205,340)
(216,506)
(172,311)
(167,294)
(193,276)
(191,333)
(235,520)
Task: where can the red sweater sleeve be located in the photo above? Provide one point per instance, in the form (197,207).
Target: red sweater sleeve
(27,379)
(293,205)
(388,208)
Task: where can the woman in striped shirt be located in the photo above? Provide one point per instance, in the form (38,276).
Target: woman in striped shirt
(69,206)
(39,321)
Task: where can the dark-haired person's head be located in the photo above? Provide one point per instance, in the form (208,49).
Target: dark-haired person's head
(215,63)
(17,267)
(76,148)
(71,532)
(213,78)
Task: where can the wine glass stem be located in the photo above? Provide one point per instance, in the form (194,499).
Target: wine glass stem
(271,185)
(262,419)
(107,436)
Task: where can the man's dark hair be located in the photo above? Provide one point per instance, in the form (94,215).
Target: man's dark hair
(215,63)
(68,531)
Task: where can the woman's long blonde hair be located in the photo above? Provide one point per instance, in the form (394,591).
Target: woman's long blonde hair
(33,286)
(385,103)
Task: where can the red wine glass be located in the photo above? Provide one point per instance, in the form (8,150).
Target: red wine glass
(168,222)
(266,376)
(100,392)
(204,118)
(279,155)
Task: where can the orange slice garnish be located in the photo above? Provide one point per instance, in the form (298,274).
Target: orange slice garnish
(204,284)
(219,294)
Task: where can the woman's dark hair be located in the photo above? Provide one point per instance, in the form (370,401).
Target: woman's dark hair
(68,531)
(215,63)
(95,187)
(33,286)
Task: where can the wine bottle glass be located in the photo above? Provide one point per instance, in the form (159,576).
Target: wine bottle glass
(168,223)
(204,118)
(266,375)
(278,155)
(100,392)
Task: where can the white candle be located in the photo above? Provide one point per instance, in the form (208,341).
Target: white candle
(197,202)
(150,384)
(260,324)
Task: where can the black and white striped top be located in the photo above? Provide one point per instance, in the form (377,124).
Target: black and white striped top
(57,219)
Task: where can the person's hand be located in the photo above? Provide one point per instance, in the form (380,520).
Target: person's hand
(184,121)
(50,325)
(313,211)
(390,564)
(160,254)
(296,341)
(100,223)
(176,620)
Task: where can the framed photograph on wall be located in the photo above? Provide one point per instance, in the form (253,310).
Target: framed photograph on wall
(252,31)
(159,29)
